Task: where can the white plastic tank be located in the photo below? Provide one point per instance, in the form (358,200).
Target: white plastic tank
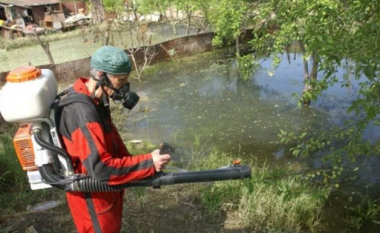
(28,94)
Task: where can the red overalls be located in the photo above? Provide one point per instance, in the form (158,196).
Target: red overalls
(96,149)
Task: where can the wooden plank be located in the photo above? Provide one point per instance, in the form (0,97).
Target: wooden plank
(9,28)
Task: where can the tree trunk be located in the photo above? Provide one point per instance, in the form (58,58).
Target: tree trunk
(173,23)
(173,20)
(107,39)
(237,41)
(108,33)
(306,77)
(305,64)
(314,69)
(312,77)
(287,48)
(97,11)
(205,25)
(45,47)
(188,12)
(83,33)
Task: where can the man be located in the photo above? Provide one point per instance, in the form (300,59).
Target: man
(95,145)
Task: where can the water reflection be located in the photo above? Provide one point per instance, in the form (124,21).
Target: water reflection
(205,98)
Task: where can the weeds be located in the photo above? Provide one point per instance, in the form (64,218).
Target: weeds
(140,194)
(11,173)
(365,213)
(280,205)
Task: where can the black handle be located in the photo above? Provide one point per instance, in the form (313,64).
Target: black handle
(166,148)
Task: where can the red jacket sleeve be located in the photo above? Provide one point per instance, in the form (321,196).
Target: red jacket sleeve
(122,149)
(89,141)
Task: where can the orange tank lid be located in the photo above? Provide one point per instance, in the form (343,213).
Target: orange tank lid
(23,74)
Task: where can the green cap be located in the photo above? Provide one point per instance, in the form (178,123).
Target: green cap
(111,60)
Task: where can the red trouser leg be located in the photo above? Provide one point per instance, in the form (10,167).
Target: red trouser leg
(96,212)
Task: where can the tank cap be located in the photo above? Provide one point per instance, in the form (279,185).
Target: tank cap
(23,74)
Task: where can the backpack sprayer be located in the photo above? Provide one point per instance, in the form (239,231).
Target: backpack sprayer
(36,107)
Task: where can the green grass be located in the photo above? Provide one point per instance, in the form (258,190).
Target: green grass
(288,204)
(363,214)
(49,36)
(15,193)
(31,40)
(11,173)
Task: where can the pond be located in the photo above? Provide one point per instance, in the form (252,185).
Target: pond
(200,103)
(202,99)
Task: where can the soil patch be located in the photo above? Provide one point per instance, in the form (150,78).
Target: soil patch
(170,209)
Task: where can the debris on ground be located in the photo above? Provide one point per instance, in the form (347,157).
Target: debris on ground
(47,205)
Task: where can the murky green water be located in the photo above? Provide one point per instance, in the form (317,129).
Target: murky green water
(200,103)
(202,99)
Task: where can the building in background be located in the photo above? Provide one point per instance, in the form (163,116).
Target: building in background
(24,12)
(19,17)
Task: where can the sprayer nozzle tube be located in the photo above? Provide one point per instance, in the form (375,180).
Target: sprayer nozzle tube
(232,173)
(89,184)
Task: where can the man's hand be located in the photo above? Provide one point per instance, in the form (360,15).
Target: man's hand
(160,161)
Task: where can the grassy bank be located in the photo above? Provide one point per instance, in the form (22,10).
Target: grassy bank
(11,174)
(282,204)
(21,42)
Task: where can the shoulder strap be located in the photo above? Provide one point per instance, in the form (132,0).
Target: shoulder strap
(69,96)
(76,98)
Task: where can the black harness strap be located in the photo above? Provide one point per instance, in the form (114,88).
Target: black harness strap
(69,96)
(92,212)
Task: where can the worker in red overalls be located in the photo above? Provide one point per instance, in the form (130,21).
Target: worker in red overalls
(95,146)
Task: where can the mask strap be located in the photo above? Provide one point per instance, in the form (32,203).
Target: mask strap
(105,98)
(98,83)
(103,81)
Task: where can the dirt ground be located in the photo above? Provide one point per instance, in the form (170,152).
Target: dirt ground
(170,209)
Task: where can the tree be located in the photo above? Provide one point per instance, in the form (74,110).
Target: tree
(229,19)
(97,10)
(170,9)
(330,34)
(308,23)
(203,9)
(114,6)
(186,6)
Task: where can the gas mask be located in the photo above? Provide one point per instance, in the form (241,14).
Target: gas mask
(124,96)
